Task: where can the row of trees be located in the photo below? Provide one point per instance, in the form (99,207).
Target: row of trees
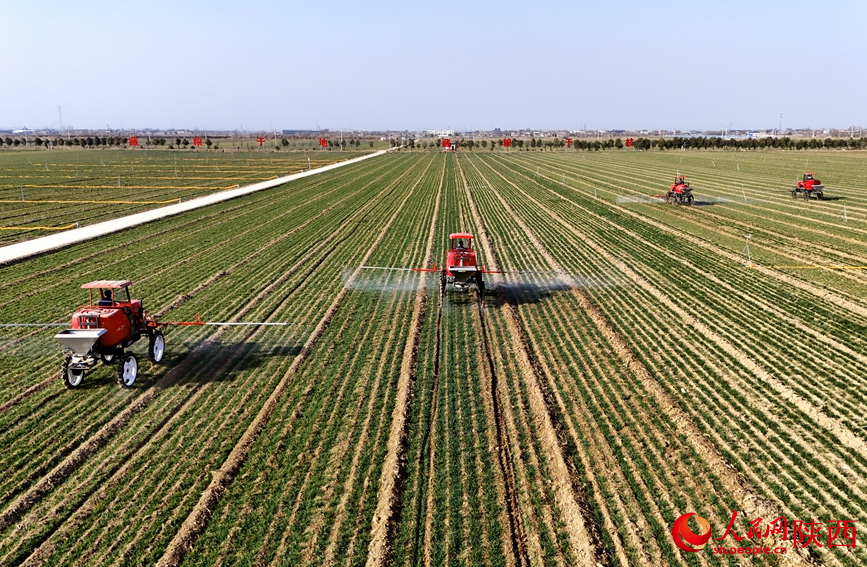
(95,141)
(713,142)
(690,143)
(122,142)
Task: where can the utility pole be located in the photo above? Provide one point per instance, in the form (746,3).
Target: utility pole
(747,250)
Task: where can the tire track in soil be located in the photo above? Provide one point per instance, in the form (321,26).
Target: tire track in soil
(735,483)
(393,479)
(518,534)
(79,455)
(339,518)
(197,521)
(570,495)
(429,448)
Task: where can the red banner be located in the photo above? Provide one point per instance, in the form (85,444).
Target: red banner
(630,142)
(197,141)
(133,140)
(568,142)
(507,142)
(447,142)
(323,143)
(261,141)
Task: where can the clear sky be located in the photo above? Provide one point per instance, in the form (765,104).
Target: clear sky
(418,65)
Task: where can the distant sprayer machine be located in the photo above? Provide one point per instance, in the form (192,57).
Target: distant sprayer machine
(808,186)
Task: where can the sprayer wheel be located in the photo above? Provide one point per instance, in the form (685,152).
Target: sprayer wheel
(156,347)
(71,377)
(127,370)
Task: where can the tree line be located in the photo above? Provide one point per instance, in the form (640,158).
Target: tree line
(676,143)
(176,143)
(784,142)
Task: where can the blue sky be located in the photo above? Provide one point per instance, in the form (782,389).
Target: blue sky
(434,65)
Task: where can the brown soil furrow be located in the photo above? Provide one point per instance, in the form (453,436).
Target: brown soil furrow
(590,463)
(394,469)
(198,519)
(833,425)
(533,540)
(504,452)
(27,393)
(343,448)
(735,484)
(811,288)
(338,452)
(205,451)
(84,451)
(89,498)
(570,497)
(429,443)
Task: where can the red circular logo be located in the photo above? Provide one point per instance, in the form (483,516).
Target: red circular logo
(683,536)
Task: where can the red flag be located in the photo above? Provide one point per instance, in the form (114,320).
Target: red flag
(261,141)
(568,142)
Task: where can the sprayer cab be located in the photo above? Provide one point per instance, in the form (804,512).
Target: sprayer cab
(461,269)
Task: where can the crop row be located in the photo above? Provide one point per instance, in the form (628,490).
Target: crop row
(59,188)
(667,285)
(299,274)
(783,232)
(317,464)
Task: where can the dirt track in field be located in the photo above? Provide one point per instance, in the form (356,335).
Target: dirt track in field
(734,483)
(84,451)
(569,500)
(198,519)
(394,470)
(831,424)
